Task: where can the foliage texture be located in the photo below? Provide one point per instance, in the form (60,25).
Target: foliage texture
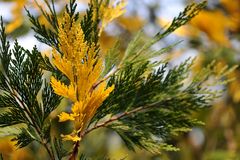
(145,102)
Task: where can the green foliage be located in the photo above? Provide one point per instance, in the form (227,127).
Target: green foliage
(147,106)
(153,107)
(44,34)
(112,58)
(49,36)
(24,138)
(134,55)
(82,157)
(25,95)
(90,25)
(189,12)
(58,146)
(138,50)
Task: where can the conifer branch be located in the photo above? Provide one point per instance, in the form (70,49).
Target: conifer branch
(144,103)
(117,117)
(106,123)
(30,118)
(103,124)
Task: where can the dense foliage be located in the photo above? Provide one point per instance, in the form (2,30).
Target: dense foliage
(145,102)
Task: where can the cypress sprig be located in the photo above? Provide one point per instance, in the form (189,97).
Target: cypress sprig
(26,97)
(146,103)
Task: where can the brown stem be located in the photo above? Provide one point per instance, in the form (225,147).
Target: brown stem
(35,125)
(105,78)
(118,116)
(104,124)
(49,151)
(75,151)
(114,118)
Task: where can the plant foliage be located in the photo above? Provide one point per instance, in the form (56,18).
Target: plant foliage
(145,102)
(25,95)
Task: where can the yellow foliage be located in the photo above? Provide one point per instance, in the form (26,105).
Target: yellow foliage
(233,8)
(106,41)
(66,117)
(17,12)
(83,66)
(109,12)
(73,138)
(131,23)
(10,151)
(214,24)
(63,90)
(234,88)
(182,31)
(18,15)
(14,25)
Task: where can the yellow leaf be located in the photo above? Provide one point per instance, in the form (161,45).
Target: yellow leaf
(73,138)
(65,117)
(63,90)
(214,24)
(233,8)
(17,13)
(9,150)
(131,23)
(14,25)
(109,12)
(83,66)
(63,64)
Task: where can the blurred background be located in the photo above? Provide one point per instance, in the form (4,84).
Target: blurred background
(212,35)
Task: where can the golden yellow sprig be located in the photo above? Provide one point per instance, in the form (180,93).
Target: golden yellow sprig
(109,12)
(83,67)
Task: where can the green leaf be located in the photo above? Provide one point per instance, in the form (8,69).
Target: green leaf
(26,97)
(60,150)
(24,138)
(112,58)
(9,131)
(147,109)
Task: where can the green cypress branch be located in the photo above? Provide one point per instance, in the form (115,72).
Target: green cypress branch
(184,17)
(21,83)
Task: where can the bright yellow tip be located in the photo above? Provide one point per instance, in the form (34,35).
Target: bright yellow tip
(77,107)
(109,12)
(63,90)
(65,117)
(73,138)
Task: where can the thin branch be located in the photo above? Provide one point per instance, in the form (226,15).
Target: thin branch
(122,115)
(105,78)
(48,150)
(75,151)
(30,118)
(115,118)
(104,124)
(112,119)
